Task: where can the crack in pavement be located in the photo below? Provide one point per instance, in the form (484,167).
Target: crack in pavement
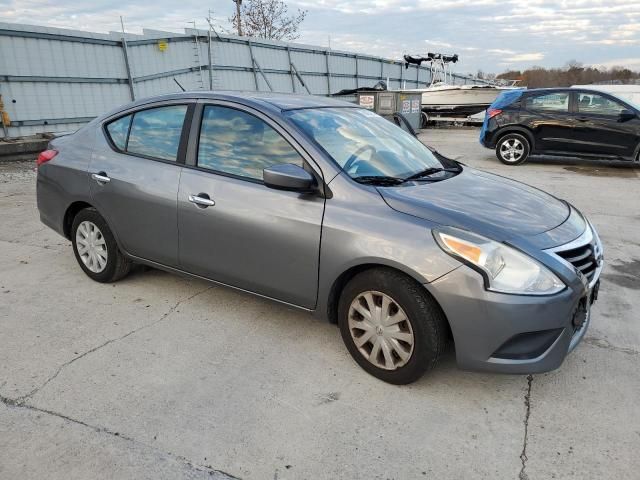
(523,454)
(213,473)
(29,395)
(602,343)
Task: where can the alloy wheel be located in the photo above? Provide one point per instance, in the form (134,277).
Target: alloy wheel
(511,150)
(91,246)
(381,330)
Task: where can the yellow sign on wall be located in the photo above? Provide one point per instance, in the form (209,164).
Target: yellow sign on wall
(163,45)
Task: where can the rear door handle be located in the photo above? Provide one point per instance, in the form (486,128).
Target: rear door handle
(201,200)
(100,177)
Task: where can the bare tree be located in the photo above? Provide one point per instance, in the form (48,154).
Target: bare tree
(267,19)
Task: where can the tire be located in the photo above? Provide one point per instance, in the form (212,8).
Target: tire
(425,322)
(108,263)
(513,149)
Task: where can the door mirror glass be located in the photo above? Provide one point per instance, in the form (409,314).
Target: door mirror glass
(287,176)
(626,115)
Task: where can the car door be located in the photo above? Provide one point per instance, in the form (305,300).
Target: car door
(234,229)
(600,129)
(547,115)
(134,176)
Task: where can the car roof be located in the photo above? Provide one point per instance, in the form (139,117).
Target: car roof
(279,101)
(565,89)
(549,90)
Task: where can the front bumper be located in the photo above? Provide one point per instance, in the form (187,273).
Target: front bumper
(512,333)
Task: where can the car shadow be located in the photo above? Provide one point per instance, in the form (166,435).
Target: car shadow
(596,168)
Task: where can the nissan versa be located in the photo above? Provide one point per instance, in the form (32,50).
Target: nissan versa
(325,206)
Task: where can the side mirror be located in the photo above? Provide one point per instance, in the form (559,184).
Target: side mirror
(287,176)
(626,115)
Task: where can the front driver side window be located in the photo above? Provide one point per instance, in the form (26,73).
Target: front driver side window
(241,144)
(590,103)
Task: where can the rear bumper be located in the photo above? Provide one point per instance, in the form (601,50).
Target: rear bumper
(487,139)
(511,333)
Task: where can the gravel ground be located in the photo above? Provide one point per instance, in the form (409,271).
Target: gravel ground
(160,376)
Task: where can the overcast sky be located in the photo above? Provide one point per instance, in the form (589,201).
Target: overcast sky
(492,35)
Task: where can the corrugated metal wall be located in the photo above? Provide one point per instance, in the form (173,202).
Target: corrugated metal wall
(54,80)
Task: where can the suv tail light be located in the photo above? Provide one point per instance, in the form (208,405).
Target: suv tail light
(45,156)
(492,112)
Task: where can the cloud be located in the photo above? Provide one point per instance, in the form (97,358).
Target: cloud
(632,63)
(486,33)
(376,7)
(526,57)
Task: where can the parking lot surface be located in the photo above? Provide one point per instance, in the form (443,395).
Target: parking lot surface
(160,376)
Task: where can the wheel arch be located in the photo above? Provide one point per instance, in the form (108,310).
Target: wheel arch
(341,281)
(70,214)
(517,129)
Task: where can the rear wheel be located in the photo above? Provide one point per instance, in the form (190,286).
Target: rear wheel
(95,248)
(391,325)
(513,149)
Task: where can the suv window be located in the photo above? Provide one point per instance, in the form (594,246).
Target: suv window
(156,132)
(118,131)
(238,143)
(599,105)
(551,102)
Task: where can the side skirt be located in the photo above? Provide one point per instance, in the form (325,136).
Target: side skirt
(183,273)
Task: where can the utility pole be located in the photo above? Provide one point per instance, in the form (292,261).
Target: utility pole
(238,18)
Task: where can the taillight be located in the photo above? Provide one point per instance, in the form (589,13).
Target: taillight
(492,112)
(45,156)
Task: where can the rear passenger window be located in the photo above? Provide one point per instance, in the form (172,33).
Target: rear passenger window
(118,131)
(238,143)
(552,102)
(156,132)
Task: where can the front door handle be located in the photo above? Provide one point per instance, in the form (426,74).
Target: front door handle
(201,200)
(582,119)
(100,177)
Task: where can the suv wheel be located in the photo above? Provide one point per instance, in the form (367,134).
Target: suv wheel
(513,149)
(391,326)
(96,249)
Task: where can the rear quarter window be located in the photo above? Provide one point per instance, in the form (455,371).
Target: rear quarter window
(118,131)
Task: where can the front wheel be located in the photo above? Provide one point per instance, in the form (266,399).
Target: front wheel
(391,326)
(96,249)
(513,149)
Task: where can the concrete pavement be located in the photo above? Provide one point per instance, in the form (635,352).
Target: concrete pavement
(160,376)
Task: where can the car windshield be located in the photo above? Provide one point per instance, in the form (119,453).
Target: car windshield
(364,144)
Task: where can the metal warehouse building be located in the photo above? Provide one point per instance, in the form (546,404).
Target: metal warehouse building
(54,80)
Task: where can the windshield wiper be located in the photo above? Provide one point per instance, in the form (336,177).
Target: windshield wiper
(378,180)
(430,171)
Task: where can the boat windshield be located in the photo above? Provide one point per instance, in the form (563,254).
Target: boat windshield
(364,144)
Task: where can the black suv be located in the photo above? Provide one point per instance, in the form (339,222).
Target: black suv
(561,121)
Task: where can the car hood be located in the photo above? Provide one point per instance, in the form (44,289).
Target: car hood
(491,205)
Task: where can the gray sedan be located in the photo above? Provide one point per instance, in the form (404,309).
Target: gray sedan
(331,209)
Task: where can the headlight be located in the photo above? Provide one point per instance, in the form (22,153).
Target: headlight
(505,269)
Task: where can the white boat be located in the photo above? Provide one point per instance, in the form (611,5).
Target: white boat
(458,100)
(443,98)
